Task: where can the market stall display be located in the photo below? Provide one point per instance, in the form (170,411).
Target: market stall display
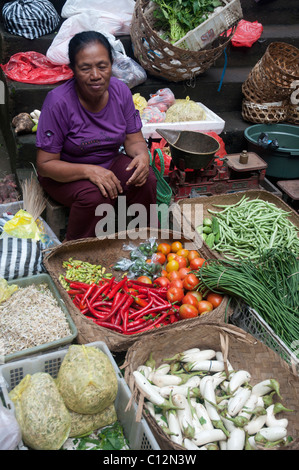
(137,435)
(235,357)
(106,253)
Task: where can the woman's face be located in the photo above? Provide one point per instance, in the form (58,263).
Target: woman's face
(93,71)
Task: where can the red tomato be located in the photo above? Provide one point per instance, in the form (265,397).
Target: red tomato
(159,257)
(215,299)
(193,254)
(164,273)
(183,272)
(171,256)
(164,248)
(196,294)
(187,311)
(196,263)
(204,306)
(183,252)
(161,281)
(176,246)
(182,261)
(190,299)
(144,279)
(190,282)
(176,283)
(175,294)
(172,275)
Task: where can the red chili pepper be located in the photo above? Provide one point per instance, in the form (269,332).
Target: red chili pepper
(140,301)
(111,326)
(87,294)
(116,288)
(76,284)
(75,291)
(142,311)
(118,301)
(100,290)
(150,326)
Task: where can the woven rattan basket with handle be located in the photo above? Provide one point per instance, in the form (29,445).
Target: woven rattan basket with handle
(244,353)
(162,59)
(105,252)
(226,199)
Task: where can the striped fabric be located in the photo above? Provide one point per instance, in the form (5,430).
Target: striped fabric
(30,18)
(20,257)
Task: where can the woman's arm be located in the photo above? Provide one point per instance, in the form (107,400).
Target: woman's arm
(49,165)
(136,148)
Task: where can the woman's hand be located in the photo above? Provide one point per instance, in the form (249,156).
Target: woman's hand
(136,148)
(106,181)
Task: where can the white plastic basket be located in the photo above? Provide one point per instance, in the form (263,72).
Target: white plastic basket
(138,433)
(212,123)
(209,30)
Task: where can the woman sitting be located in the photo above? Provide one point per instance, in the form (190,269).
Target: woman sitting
(83,125)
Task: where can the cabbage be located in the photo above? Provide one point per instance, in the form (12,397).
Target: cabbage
(41,413)
(87,380)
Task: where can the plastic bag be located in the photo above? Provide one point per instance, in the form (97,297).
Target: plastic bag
(42,416)
(127,70)
(116,15)
(139,102)
(247,33)
(10,432)
(185,110)
(83,424)
(20,257)
(22,225)
(57,53)
(87,380)
(162,100)
(152,114)
(6,290)
(33,67)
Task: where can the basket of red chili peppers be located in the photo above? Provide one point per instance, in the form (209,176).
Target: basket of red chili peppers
(117,307)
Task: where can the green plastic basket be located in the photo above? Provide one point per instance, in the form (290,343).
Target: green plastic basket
(164,191)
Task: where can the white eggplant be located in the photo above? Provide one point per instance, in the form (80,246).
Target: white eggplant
(149,390)
(206,437)
(238,379)
(162,369)
(223,445)
(205,354)
(161,380)
(203,416)
(266,386)
(236,440)
(255,424)
(184,414)
(272,434)
(150,407)
(145,370)
(236,403)
(249,407)
(189,445)
(190,386)
(210,402)
(174,427)
(206,366)
(219,357)
(229,425)
(272,421)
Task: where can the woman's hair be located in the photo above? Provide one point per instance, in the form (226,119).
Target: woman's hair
(81,40)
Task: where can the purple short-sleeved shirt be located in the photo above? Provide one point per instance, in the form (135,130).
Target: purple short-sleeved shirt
(81,136)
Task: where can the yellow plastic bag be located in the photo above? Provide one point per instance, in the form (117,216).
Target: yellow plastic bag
(22,225)
(6,290)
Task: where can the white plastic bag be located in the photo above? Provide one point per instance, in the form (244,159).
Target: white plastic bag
(88,21)
(116,13)
(10,432)
(127,70)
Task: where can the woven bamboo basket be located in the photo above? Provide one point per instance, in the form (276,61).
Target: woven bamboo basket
(105,252)
(264,113)
(293,114)
(207,203)
(280,64)
(258,89)
(242,350)
(162,59)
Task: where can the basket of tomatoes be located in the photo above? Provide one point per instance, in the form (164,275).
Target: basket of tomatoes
(147,283)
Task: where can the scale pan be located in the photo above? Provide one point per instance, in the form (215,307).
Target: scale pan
(190,149)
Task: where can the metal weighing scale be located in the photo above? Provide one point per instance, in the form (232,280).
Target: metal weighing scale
(194,168)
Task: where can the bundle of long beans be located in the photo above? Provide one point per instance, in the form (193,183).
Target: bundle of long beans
(270,285)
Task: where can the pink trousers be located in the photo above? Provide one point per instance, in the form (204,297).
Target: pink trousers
(85,201)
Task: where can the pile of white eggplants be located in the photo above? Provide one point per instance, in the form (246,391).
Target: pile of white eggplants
(202,403)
